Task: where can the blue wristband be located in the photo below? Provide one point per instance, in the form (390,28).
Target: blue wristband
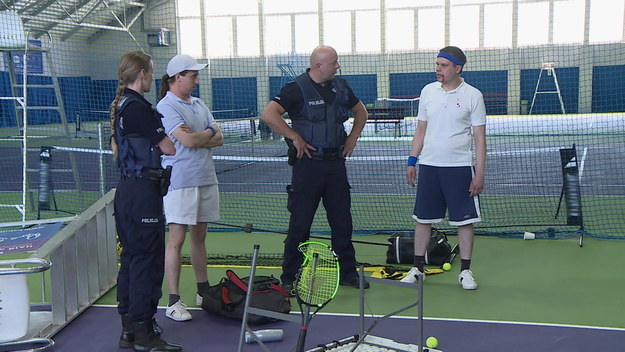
(212,129)
(412,161)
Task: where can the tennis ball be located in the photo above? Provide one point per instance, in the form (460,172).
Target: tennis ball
(446,266)
(431,342)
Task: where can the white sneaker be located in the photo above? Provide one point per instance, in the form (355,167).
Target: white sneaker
(412,276)
(178,312)
(466,280)
(198,300)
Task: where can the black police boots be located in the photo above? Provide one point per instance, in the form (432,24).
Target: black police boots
(127,340)
(148,340)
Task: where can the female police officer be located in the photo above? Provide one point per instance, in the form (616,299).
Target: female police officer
(138,140)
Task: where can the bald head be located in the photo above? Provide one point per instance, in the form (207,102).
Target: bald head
(322,54)
(324,63)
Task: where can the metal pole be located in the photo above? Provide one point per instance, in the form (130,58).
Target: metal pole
(248,297)
(24,104)
(420,309)
(101,160)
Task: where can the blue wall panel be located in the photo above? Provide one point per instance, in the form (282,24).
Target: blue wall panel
(275,84)
(409,85)
(82,93)
(76,93)
(494,87)
(41,97)
(493,84)
(7,110)
(608,92)
(548,103)
(234,93)
(364,87)
(102,94)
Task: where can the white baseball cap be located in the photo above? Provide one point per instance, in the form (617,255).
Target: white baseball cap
(181,63)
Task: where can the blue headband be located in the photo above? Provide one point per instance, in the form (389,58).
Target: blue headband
(451,58)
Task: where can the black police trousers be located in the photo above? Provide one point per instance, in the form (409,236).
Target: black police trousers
(313,181)
(141,230)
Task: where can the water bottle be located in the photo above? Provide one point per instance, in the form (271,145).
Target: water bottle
(266,335)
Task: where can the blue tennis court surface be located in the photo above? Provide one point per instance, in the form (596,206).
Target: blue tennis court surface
(98,329)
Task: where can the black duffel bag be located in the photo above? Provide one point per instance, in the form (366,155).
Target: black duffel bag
(401,250)
(227,298)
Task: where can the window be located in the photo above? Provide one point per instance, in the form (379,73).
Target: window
(400,30)
(219,37)
(306,33)
(228,8)
(398,4)
(191,41)
(248,39)
(289,6)
(469,2)
(498,25)
(210,28)
(349,5)
(189,8)
(533,23)
(277,35)
(568,21)
(606,21)
(368,31)
(431,31)
(337,27)
(464,28)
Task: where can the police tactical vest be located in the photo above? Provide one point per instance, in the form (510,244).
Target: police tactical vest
(320,123)
(135,152)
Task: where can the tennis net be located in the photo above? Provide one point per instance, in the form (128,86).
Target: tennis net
(523,182)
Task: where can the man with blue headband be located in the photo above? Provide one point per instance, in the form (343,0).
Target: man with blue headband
(449,147)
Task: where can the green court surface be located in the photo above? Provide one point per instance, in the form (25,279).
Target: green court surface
(534,281)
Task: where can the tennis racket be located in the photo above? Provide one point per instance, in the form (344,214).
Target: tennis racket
(316,284)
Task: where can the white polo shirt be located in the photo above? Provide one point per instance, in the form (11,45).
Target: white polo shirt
(450,116)
(191,167)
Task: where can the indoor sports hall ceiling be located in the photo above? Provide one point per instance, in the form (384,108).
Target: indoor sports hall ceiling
(76,19)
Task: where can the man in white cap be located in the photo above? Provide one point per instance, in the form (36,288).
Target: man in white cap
(193,198)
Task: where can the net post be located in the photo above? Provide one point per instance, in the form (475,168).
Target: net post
(571,190)
(78,123)
(45,180)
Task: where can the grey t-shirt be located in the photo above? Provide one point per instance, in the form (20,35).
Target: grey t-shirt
(191,167)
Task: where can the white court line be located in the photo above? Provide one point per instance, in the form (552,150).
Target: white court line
(488,321)
(581,164)
(432,319)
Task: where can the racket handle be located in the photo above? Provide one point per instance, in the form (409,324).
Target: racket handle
(301,341)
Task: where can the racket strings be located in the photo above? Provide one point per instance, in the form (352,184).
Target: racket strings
(319,275)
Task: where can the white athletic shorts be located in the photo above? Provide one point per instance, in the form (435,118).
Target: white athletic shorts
(188,206)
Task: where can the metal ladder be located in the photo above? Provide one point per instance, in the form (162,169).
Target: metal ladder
(21,110)
(19,96)
(549,69)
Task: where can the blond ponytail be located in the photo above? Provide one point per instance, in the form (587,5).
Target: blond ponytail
(113,112)
(130,66)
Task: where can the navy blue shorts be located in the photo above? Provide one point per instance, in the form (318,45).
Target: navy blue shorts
(442,189)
